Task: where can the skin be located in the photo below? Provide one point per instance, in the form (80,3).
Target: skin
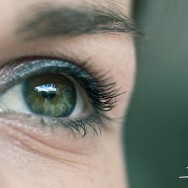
(34,156)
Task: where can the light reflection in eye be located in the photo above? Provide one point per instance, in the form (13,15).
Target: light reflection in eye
(46,88)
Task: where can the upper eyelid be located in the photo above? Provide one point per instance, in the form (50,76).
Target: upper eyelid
(18,68)
(42,50)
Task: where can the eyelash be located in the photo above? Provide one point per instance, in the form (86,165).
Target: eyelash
(101,91)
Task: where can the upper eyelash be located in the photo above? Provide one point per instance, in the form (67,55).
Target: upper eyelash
(101,91)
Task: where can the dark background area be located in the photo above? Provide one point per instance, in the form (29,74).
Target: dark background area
(156,131)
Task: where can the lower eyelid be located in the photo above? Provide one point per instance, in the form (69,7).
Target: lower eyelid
(63,127)
(55,147)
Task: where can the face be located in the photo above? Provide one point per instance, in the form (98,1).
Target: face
(67,72)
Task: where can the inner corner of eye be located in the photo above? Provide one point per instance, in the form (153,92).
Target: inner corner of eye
(54,95)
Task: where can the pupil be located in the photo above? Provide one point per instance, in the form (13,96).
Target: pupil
(50,94)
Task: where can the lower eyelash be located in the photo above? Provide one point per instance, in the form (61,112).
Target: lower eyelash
(82,125)
(92,122)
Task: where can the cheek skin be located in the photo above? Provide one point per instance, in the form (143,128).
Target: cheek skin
(31,157)
(26,167)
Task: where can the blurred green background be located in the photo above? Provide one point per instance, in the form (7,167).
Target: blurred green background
(156,131)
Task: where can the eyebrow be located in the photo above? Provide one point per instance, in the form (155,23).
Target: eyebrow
(47,21)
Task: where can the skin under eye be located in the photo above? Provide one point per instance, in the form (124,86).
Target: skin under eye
(43,87)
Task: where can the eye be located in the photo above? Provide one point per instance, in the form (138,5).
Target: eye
(56,89)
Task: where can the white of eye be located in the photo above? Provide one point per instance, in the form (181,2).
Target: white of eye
(13,100)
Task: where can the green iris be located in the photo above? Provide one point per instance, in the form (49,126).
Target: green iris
(50,94)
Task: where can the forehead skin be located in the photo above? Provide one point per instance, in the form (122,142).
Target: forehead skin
(30,157)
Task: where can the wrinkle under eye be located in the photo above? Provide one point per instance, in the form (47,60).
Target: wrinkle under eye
(50,94)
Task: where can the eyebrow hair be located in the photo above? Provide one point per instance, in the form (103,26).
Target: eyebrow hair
(53,21)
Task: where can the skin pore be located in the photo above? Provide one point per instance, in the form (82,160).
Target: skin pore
(33,155)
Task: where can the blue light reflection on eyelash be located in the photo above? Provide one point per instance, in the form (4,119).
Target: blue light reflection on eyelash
(102,94)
